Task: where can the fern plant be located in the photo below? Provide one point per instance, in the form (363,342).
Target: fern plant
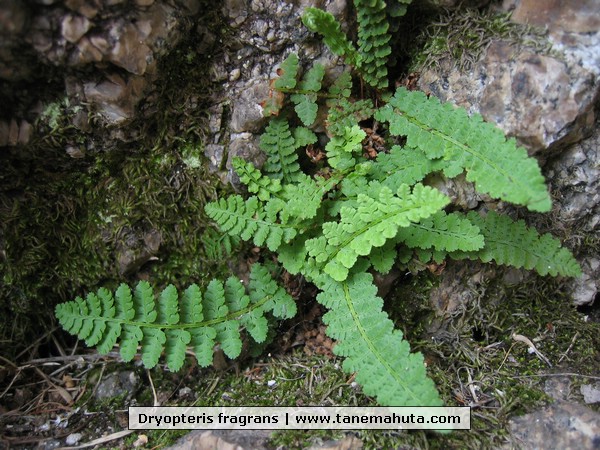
(175,321)
(364,210)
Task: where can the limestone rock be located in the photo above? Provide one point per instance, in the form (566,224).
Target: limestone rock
(73,27)
(247,113)
(575,181)
(120,383)
(115,97)
(136,249)
(546,101)
(567,426)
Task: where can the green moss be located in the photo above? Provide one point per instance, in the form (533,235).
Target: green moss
(70,225)
(460,37)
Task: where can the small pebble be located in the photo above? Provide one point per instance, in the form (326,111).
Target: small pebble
(73,438)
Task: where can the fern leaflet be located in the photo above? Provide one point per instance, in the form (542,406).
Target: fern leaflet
(250,219)
(319,21)
(279,145)
(183,320)
(497,166)
(372,348)
(306,97)
(513,243)
(370,224)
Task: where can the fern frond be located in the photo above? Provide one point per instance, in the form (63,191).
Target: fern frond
(279,145)
(345,114)
(514,244)
(288,70)
(378,354)
(340,149)
(306,97)
(303,137)
(319,21)
(218,246)
(257,184)
(342,86)
(371,224)
(183,320)
(373,41)
(250,220)
(497,166)
(303,199)
(449,232)
(397,8)
(403,165)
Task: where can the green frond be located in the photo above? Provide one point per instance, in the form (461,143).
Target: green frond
(306,107)
(497,166)
(303,199)
(448,232)
(370,224)
(344,113)
(403,165)
(192,319)
(340,149)
(319,21)
(288,70)
(250,219)
(366,338)
(373,41)
(257,184)
(397,8)
(342,86)
(305,97)
(218,246)
(303,137)
(280,147)
(514,244)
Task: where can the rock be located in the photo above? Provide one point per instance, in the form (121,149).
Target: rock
(115,98)
(348,443)
(567,426)
(558,387)
(591,393)
(74,27)
(115,384)
(546,101)
(136,249)
(236,11)
(247,113)
(214,153)
(223,440)
(574,179)
(4,129)
(129,51)
(15,133)
(73,438)
(87,8)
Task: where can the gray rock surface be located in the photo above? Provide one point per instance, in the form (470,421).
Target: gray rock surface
(117,46)
(525,92)
(117,384)
(562,425)
(575,182)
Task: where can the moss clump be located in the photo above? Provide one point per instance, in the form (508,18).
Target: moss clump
(474,360)
(461,36)
(114,208)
